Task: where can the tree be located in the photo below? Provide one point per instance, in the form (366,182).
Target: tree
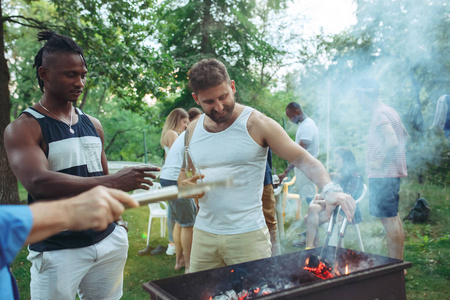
(8,182)
(116,41)
(224,30)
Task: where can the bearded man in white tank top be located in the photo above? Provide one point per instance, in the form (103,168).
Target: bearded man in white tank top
(232,139)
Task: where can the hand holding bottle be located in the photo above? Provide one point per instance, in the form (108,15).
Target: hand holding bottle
(192,181)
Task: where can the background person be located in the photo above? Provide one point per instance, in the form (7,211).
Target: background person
(232,139)
(194,113)
(269,205)
(182,212)
(175,124)
(23,224)
(307,136)
(385,163)
(442,115)
(56,151)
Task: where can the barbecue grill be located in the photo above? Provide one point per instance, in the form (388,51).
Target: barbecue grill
(284,277)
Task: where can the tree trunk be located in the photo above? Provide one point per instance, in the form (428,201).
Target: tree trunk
(205,47)
(83,101)
(102,98)
(114,138)
(9,193)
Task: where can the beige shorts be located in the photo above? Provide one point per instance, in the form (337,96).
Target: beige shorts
(211,250)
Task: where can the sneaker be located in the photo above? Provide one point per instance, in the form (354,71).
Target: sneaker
(158,250)
(170,249)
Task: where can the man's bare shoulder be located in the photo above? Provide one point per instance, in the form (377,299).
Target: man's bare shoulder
(262,127)
(24,123)
(94,120)
(259,119)
(24,129)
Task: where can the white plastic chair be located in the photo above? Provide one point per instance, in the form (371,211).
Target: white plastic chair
(335,234)
(363,195)
(288,196)
(157,210)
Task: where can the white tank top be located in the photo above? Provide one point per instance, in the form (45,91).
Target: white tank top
(174,159)
(230,152)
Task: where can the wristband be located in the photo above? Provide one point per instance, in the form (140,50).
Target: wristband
(331,187)
(122,223)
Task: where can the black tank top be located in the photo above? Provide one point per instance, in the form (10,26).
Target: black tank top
(77,154)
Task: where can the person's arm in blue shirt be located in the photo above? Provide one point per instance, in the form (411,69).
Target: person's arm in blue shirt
(94,209)
(15,224)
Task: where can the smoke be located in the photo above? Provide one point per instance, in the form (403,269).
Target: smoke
(404,45)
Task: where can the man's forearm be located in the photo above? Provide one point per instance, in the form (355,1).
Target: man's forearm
(314,170)
(48,219)
(288,169)
(55,185)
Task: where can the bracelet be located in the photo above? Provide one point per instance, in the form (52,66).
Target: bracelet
(331,186)
(122,223)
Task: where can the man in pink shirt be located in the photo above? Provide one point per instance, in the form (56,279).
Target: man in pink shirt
(385,163)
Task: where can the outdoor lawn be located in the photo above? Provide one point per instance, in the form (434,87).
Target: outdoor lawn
(427,247)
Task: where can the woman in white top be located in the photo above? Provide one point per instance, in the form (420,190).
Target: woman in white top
(176,123)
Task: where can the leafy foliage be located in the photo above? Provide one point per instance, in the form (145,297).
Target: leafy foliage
(221,29)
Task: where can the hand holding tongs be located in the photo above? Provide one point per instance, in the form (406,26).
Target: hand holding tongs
(331,223)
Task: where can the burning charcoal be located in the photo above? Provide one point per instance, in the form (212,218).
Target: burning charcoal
(265,290)
(243,294)
(221,297)
(232,295)
(318,266)
(287,286)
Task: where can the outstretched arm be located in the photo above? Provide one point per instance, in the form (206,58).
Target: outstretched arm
(25,150)
(94,209)
(274,136)
(304,144)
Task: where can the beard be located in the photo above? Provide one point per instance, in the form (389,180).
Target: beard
(296,119)
(220,118)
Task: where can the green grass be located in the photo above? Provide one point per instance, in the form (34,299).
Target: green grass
(427,247)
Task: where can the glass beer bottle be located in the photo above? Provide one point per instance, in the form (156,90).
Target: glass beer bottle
(190,168)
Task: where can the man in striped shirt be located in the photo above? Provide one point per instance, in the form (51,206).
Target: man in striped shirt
(385,163)
(56,151)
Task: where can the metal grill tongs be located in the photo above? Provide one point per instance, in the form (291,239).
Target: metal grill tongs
(175,192)
(331,223)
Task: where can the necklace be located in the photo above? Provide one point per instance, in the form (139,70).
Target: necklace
(71,115)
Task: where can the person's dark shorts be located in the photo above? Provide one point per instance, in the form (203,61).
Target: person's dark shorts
(183,210)
(383,197)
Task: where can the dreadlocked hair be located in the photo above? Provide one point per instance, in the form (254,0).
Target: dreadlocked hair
(55,44)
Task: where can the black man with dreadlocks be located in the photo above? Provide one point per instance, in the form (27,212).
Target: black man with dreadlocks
(56,151)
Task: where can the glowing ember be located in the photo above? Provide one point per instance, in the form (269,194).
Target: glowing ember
(254,292)
(346,269)
(318,268)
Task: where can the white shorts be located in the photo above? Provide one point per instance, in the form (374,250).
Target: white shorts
(305,187)
(95,272)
